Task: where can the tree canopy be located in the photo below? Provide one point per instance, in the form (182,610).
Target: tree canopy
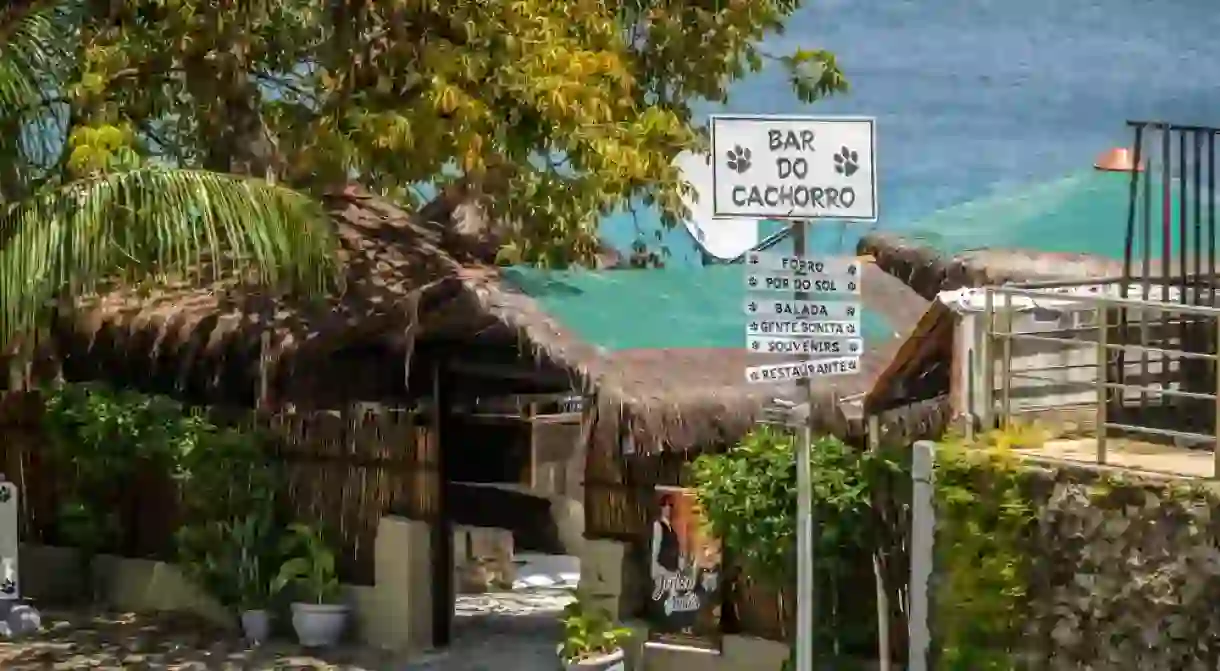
(80,202)
(560,110)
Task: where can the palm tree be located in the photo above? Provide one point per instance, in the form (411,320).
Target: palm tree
(60,236)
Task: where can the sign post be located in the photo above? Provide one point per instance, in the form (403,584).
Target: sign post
(806,589)
(799,169)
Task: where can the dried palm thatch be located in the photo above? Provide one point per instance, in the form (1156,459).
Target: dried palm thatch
(437,262)
(389,259)
(393,263)
(929,271)
(679,400)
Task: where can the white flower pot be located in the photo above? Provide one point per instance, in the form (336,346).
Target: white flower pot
(611,661)
(256,625)
(318,625)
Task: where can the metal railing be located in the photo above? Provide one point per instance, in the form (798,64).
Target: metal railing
(1122,389)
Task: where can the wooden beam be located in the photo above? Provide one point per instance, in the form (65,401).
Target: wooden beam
(933,331)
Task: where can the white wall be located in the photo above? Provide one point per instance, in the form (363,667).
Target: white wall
(1068,371)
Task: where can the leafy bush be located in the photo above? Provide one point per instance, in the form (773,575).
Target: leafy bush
(748,495)
(983,526)
(99,438)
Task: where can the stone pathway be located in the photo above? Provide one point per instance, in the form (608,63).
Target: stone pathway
(502,631)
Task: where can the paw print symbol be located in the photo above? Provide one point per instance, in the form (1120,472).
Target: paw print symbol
(8,586)
(739,159)
(5,494)
(847,162)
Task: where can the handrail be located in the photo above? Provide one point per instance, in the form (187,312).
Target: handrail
(998,344)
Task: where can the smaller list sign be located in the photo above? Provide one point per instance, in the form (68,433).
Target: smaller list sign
(685,598)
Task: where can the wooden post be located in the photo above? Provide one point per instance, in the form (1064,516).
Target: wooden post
(264,381)
(443,594)
(1103,338)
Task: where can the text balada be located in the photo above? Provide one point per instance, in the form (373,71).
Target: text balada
(799,328)
(677,592)
(805,310)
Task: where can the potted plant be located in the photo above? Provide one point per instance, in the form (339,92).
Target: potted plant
(319,620)
(233,561)
(254,588)
(592,640)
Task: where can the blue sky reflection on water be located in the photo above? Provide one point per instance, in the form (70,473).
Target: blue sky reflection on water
(976,96)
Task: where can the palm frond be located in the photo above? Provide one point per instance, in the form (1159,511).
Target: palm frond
(36,52)
(61,242)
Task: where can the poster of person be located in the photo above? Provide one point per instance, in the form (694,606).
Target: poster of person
(684,602)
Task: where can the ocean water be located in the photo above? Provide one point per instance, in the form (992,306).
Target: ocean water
(974,97)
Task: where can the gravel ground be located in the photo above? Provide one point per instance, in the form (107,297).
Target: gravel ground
(509,631)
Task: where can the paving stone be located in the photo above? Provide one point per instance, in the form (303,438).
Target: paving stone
(502,631)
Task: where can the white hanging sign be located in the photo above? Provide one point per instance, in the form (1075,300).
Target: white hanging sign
(802,370)
(757,306)
(805,265)
(801,327)
(811,346)
(843,284)
(787,167)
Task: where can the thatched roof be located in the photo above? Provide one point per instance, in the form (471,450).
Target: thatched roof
(387,258)
(680,399)
(412,276)
(392,263)
(929,271)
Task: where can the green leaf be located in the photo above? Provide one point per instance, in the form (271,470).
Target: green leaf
(64,240)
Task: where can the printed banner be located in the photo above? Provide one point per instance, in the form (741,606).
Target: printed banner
(684,601)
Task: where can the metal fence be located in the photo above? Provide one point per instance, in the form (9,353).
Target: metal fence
(1150,363)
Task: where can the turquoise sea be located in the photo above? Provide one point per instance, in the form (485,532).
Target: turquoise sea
(975,97)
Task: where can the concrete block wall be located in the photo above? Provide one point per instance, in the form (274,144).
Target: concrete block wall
(394,614)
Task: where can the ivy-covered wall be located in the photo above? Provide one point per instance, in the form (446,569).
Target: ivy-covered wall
(1066,567)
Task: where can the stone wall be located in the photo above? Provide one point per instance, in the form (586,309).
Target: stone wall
(1120,571)
(1130,574)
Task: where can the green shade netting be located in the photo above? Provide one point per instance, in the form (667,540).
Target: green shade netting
(652,309)
(1082,213)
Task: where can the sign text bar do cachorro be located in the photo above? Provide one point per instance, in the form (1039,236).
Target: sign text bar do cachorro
(800,370)
(788,167)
